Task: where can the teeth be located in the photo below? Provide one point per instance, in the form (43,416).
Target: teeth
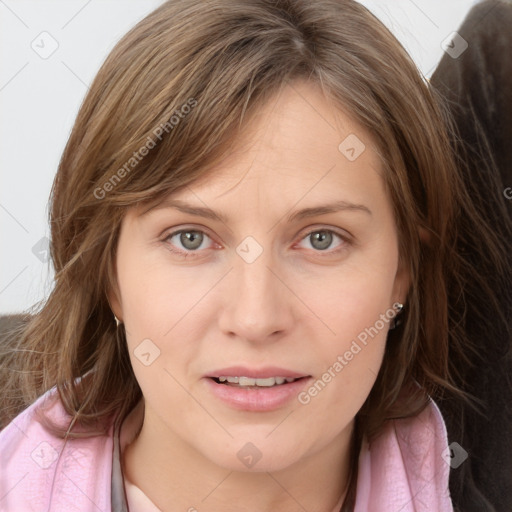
(249,381)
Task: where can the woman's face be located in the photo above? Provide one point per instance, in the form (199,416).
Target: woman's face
(287,268)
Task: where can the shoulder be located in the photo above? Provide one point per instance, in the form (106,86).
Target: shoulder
(41,471)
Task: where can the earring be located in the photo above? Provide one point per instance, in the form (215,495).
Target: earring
(397,321)
(118,323)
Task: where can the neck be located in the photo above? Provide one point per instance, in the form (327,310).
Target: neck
(177,477)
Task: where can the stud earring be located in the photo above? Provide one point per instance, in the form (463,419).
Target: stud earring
(118,323)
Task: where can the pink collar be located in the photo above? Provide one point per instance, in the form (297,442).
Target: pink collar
(404,468)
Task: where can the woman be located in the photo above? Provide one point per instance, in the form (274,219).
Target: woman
(253,228)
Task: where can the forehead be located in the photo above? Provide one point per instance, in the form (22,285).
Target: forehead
(300,118)
(297,147)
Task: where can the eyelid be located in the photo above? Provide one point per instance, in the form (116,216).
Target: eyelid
(342,234)
(167,234)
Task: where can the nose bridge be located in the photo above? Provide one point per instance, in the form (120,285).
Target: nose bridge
(258,306)
(256,281)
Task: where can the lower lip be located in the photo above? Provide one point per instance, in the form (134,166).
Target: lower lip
(260,399)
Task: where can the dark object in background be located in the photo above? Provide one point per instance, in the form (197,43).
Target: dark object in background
(478,87)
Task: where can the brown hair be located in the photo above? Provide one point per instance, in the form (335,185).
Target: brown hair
(224,59)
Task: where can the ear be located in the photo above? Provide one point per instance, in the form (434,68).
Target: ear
(403,277)
(113,297)
(115,305)
(425,236)
(402,282)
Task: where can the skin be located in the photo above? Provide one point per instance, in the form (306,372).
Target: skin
(297,306)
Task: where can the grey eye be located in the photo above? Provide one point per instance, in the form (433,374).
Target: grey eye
(190,240)
(321,240)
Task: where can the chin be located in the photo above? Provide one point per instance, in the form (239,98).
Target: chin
(255,456)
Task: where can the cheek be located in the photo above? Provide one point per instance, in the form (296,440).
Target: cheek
(357,308)
(353,298)
(348,367)
(162,308)
(153,291)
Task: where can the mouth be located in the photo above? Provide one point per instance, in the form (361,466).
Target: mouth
(260,391)
(255,383)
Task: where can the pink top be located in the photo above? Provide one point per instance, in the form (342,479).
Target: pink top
(403,469)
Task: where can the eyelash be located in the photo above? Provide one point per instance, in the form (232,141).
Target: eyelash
(192,254)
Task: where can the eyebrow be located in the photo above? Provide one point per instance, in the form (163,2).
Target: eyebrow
(208,213)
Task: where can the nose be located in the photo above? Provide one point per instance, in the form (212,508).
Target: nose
(257,304)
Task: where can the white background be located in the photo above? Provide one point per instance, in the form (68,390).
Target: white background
(39,99)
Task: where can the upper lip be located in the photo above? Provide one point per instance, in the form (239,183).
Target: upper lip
(255,373)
